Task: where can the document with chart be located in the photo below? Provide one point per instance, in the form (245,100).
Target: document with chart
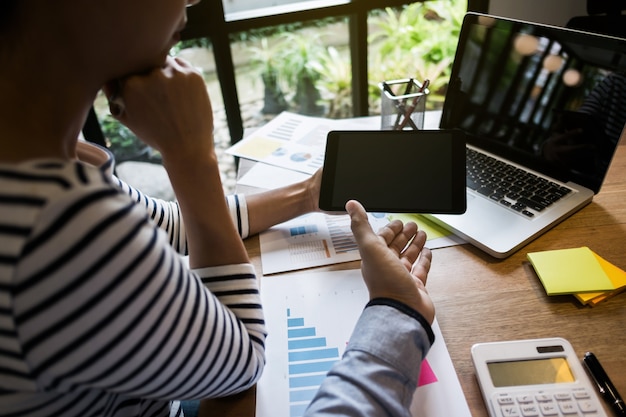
(294,141)
(319,239)
(310,317)
(311,240)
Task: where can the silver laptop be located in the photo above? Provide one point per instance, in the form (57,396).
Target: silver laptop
(543,109)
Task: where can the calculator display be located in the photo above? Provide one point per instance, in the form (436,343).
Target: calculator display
(530,372)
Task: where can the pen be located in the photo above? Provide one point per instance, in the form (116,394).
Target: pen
(604,384)
(400,107)
(407,115)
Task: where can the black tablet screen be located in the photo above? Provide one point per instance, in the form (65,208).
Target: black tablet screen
(395,171)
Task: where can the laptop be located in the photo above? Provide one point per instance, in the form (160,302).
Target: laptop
(543,109)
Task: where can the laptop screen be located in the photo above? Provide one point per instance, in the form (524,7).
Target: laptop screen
(548,98)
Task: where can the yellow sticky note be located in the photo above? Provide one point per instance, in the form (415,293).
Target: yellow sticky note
(567,271)
(617,277)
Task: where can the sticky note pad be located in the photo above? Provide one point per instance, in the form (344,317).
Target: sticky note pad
(567,271)
(433,231)
(617,277)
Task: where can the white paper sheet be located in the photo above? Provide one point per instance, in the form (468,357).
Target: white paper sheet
(319,239)
(294,141)
(310,317)
(311,240)
(269,177)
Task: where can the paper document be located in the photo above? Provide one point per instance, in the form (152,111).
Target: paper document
(319,239)
(310,317)
(311,240)
(294,141)
(269,177)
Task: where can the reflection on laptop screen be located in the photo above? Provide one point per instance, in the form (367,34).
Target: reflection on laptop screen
(546,97)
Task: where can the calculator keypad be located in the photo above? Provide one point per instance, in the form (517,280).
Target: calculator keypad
(547,404)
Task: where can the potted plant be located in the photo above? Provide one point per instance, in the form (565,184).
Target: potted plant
(418,41)
(300,55)
(265,56)
(335,82)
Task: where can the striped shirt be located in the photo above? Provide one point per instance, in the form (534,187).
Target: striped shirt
(99,315)
(607,103)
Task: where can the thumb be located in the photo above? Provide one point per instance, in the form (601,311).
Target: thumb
(359,224)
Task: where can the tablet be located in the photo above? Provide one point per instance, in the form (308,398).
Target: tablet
(419,171)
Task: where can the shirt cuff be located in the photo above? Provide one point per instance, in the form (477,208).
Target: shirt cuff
(238,209)
(406,310)
(225,270)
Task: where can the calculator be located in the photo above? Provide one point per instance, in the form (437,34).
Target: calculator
(534,378)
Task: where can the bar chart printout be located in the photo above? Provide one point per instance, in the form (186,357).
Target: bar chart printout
(310,358)
(311,240)
(310,317)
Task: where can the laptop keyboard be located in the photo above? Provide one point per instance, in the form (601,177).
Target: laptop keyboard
(513,187)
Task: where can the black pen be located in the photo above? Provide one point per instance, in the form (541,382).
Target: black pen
(605,386)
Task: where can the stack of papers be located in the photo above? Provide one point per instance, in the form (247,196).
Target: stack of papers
(578,271)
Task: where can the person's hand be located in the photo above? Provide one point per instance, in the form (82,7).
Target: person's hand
(168,108)
(394,262)
(313,186)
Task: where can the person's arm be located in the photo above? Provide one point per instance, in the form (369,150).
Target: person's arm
(125,315)
(378,373)
(164,214)
(379,370)
(251,214)
(169,109)
(272,207)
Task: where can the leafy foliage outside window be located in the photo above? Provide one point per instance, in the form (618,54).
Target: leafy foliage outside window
(417,40)
(124,144)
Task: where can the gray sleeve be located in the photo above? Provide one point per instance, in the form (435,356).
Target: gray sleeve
(378,373)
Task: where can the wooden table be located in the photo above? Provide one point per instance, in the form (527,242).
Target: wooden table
(481,299)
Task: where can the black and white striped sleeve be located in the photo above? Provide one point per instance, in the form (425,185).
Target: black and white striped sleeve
(166,214)
(104,303)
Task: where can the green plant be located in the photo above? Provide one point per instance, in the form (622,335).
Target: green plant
(334,83)
(265,54)
(300,57)
(418,41)
(432,27)
(265,57)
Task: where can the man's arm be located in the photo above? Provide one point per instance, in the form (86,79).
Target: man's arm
(378,373)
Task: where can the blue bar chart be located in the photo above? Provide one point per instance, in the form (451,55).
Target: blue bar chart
(310,358)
